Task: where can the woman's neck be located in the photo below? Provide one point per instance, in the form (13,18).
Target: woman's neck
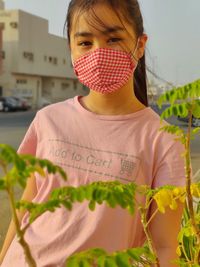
(118,103)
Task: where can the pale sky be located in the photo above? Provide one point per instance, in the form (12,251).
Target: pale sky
(173,27)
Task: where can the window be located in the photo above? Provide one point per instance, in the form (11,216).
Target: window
(28,55)
(2,26)
(55,61)
(21,81)
(75,85)
(64,86)
(3,54)
(14,25)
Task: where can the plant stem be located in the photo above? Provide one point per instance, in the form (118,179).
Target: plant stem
(20,234)
(188,186)
(153,215)
(188,179)
(143,213)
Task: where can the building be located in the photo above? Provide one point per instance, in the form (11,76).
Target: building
(155,90)
(1,45)
(36,64)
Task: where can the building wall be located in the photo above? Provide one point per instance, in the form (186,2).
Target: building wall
(50,54)
(36,64)
(1,45)
(26,86)
(10,45)
(66,89)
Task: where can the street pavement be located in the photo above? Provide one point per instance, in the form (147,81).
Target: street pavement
(12,129)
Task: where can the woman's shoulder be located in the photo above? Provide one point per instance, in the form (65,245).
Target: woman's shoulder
(155,127)
(152,120)
(57,109)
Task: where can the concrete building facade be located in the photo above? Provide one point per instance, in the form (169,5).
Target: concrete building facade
(1,46)
(35,64)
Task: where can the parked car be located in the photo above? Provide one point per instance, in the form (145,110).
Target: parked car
(22,103)
(195,121)
(8,104)
(1,105)
(43,102)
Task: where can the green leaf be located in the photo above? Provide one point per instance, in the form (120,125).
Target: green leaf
(2,185)
(172,129)
(67,204)
(97,252)
(187,92)
(188,244)
(80,194)
(92,205)
(176,110)
(72,262)
(101,261)
(134,254)
(196,109)
(111,200)
(196,130)
(89,192)
(84,263)
(122,260)
(110,262)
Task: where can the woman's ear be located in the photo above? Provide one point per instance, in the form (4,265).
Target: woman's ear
(141,45)
(68,45)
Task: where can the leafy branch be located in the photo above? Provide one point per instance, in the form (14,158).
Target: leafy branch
(21,167)
(190,107)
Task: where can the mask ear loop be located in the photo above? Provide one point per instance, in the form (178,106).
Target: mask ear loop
(86,54)
(72,60)
(132,54)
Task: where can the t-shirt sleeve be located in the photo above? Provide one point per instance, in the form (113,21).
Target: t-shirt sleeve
(30,140)
(169,167)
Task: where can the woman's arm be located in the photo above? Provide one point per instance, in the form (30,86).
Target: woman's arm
(28,195)
(164,230)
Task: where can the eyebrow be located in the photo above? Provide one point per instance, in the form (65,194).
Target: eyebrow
(108,30)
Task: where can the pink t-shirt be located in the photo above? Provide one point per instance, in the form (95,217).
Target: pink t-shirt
(92,147)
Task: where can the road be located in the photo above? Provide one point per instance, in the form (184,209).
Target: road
(12,129)
(14,125)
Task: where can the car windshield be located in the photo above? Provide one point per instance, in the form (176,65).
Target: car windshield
(11,101)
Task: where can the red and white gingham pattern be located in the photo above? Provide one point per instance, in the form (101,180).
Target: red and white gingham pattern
(105,70)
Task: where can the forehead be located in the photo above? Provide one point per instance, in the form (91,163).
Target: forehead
(99,18)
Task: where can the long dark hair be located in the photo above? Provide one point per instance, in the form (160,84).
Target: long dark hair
(130,9)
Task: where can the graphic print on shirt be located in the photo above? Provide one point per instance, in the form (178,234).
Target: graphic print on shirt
(110,164)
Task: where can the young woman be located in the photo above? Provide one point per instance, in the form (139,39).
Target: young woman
(110,134)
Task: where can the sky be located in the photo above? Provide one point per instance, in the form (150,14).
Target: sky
(173,28)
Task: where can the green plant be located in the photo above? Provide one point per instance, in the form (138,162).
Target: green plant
(184,101)
(17,169)
(189,237)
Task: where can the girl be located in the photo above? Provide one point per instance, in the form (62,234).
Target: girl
(110,134)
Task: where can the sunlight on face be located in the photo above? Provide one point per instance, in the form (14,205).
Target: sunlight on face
(88,33)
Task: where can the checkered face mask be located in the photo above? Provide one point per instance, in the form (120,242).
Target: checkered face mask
(105,70)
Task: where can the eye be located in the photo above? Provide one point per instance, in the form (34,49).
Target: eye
(85,43)
(114,40)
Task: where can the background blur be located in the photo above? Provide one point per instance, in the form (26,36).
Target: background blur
(172,26)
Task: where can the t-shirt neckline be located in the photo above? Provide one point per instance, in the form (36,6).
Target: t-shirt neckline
(109,117)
